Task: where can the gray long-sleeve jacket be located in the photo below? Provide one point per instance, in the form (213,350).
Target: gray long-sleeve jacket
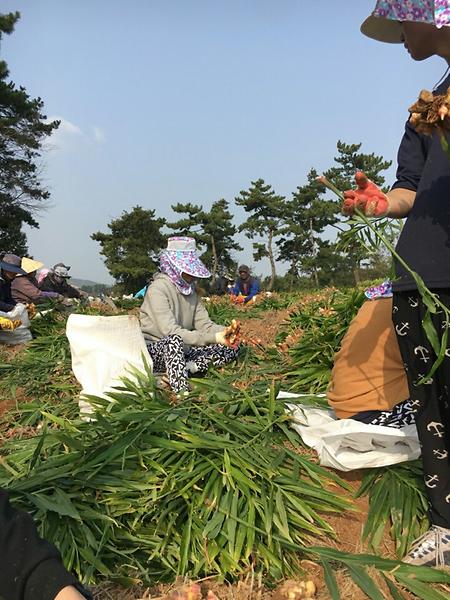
(165,311)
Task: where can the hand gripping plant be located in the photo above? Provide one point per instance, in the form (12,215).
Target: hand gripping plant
(429,298)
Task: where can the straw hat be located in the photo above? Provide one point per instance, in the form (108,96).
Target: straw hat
(29,265)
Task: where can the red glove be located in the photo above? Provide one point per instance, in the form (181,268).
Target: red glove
(368,198)
(240,299)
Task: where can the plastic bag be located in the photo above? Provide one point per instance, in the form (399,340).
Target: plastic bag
(103,350)
(20,335)
(347,444)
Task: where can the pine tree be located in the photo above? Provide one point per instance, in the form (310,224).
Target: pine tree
(267,214)
(23,128)
(132,247)
(307,215)
(213,230)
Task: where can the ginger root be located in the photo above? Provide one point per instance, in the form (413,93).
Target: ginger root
(295,590)
(232,333)
(8,324)
(431,113)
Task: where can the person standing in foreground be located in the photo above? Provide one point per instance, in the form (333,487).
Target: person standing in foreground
(180,336)
(422,194)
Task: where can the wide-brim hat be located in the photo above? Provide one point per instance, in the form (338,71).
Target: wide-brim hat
(12,263)
(182,254)
(29,265)
(383,30)
(385,22)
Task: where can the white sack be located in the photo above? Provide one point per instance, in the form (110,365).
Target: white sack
(21,334)
(347,444)
(103,350)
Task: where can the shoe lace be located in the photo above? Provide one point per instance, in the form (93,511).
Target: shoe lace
(434,538)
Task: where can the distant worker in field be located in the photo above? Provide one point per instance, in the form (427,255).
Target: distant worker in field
(10,267)
(180,336)
(25,288)
(246,287)
(56,280)
(223,284)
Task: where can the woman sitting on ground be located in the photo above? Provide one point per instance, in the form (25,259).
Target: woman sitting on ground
(180,336)
(24,288)
(368,380)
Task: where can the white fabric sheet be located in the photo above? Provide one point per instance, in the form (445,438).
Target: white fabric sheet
(103,350)
(346,444)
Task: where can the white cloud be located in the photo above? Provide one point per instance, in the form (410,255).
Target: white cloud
(65,126)
(99,135)
(68,132)
(61,136)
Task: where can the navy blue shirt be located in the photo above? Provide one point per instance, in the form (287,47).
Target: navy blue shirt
(7,302)
(424,243)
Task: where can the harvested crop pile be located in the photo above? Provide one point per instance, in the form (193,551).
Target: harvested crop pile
(431,113)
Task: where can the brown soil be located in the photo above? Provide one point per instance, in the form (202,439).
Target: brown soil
(265,329)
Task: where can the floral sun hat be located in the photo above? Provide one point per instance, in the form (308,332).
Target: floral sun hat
(182,254)
(384,24)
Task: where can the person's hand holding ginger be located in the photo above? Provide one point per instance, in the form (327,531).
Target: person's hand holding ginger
(367,198)
(229,336)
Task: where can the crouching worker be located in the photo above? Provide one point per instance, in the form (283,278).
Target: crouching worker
(57,280)
(245,288)
(180,336)
(25,288)
(368,380)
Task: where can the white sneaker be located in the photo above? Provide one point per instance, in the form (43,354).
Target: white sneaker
(432,549)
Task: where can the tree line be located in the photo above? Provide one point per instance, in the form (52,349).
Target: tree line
(288,230)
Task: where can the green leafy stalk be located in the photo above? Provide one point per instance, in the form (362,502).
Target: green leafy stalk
(430,299)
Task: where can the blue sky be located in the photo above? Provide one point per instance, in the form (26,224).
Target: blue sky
(166,101)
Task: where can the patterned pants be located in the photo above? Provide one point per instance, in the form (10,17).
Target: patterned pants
(168,356)
(401,415)
(430,400)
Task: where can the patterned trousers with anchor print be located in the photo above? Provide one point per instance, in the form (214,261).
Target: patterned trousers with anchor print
(431,400)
